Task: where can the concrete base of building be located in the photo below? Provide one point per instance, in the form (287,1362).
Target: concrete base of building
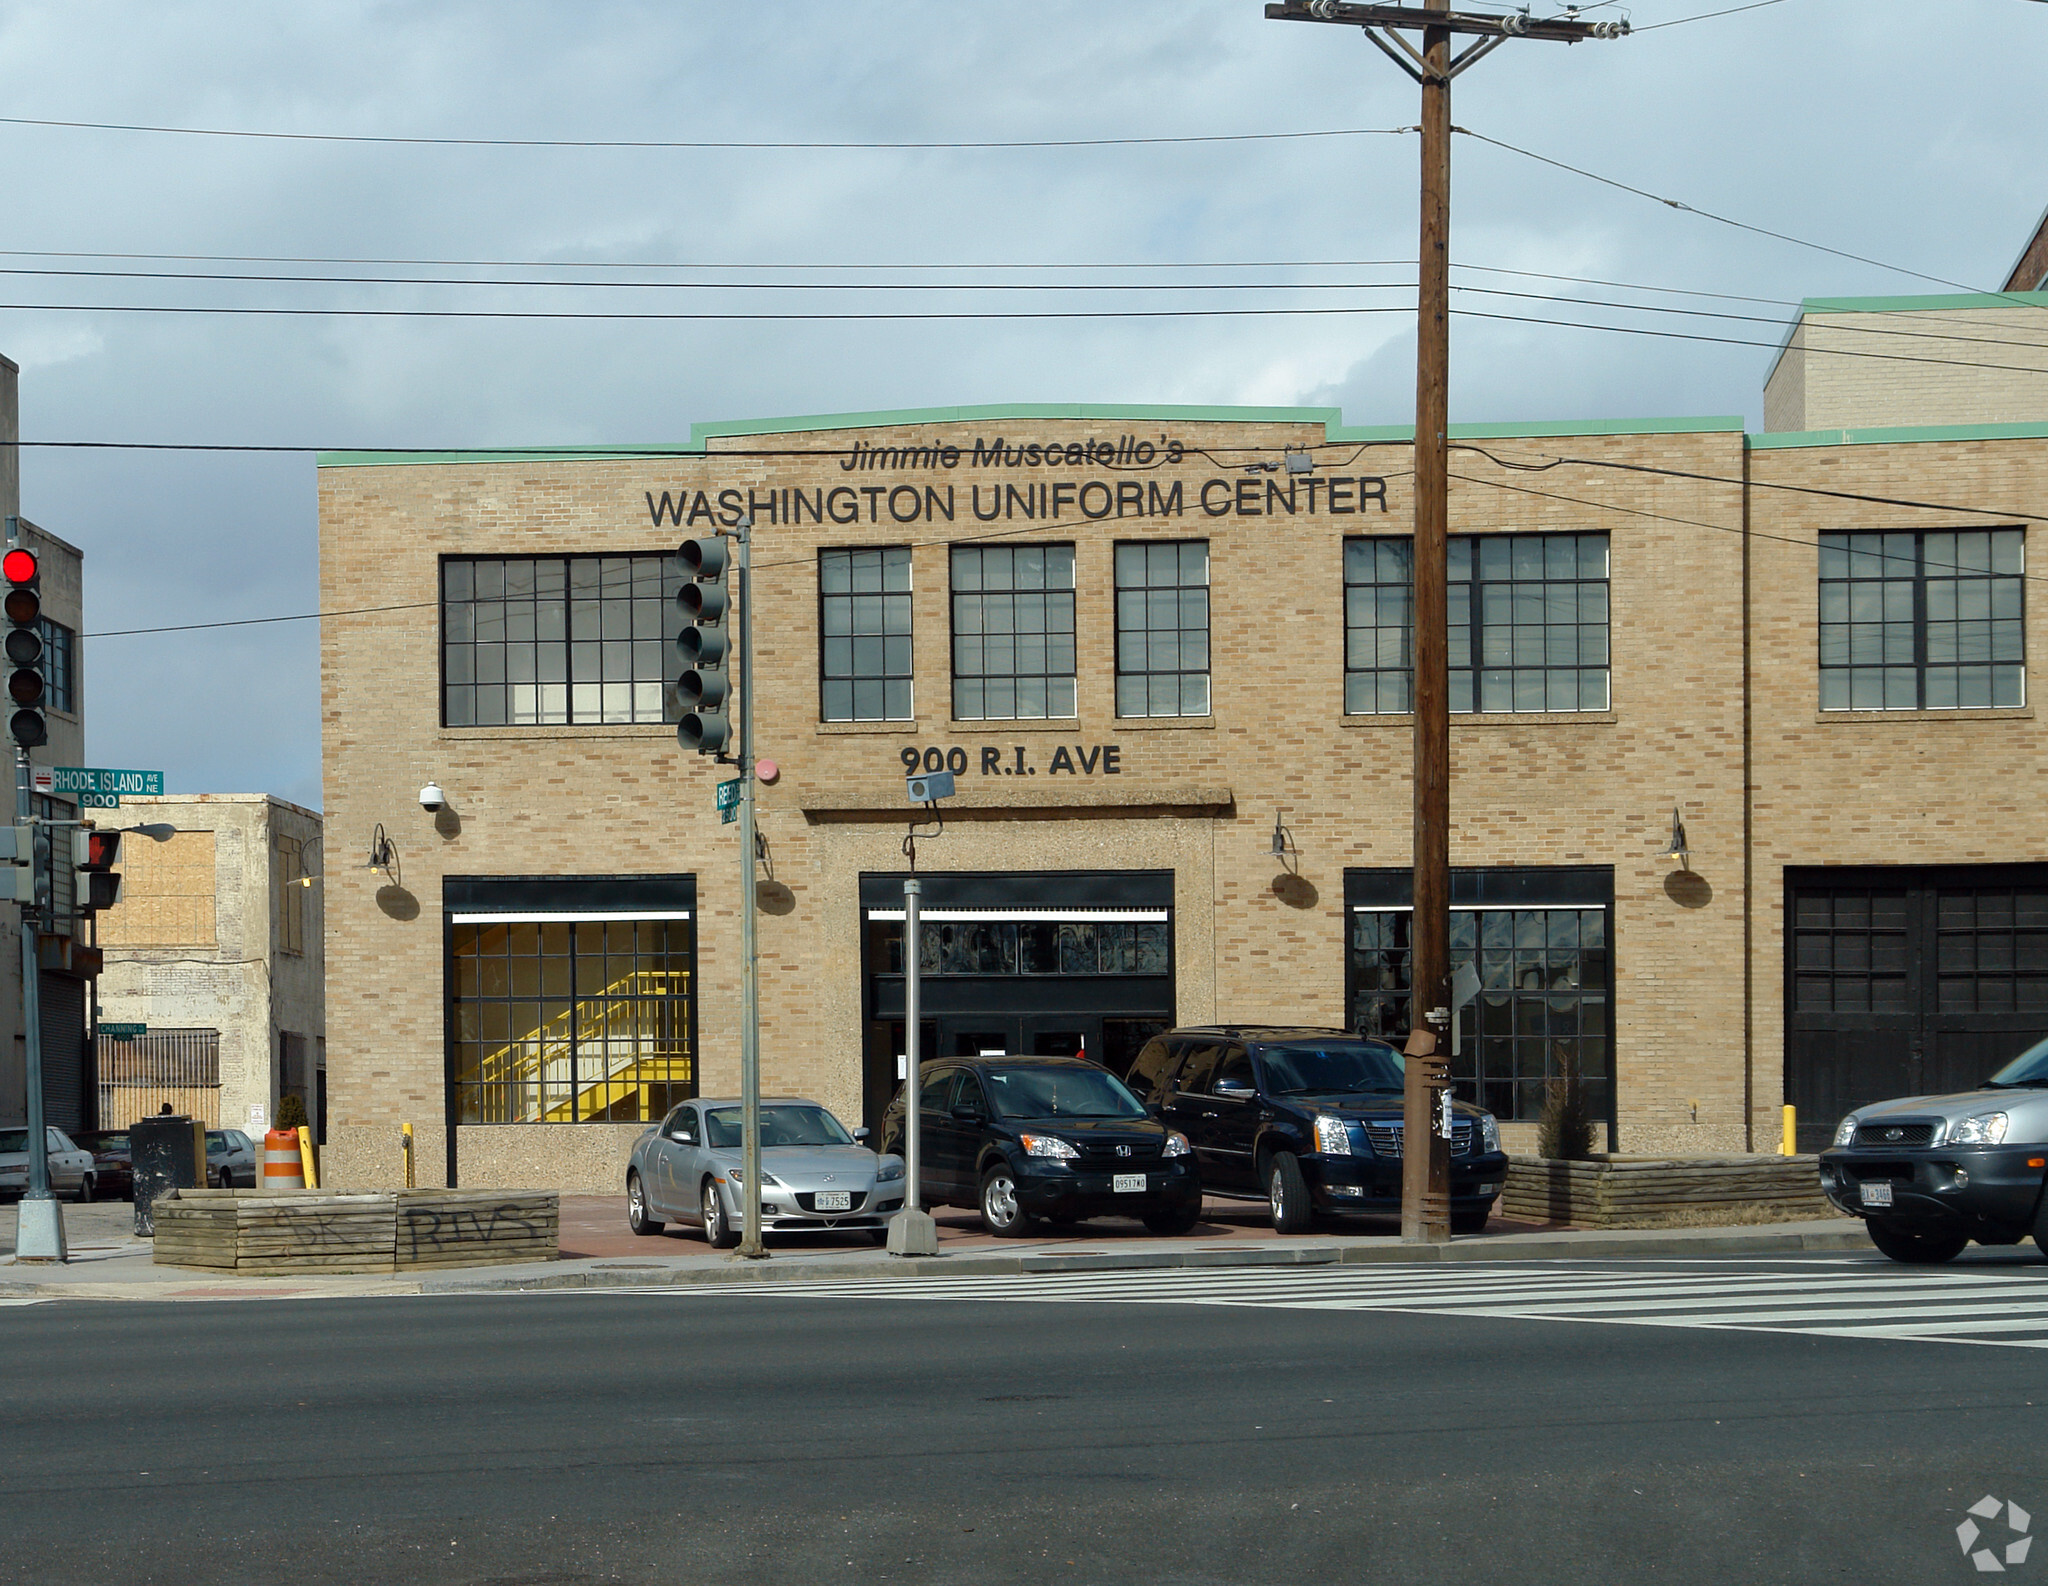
(913,1233)
(39,1232)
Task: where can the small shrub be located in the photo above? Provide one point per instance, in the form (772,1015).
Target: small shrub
(291,1113)
(1564,1131)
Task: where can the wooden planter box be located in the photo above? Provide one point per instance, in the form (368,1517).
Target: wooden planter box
(321,1231)
(1638,1192)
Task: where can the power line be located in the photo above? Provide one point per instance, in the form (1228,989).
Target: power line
(1704,16)
(708,144)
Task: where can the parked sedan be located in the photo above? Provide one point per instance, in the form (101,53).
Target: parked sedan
(71,1170)
(113,1165)
(814,1175)
(230,1159)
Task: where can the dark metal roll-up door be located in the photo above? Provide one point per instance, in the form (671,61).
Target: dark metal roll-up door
(1908,981)
(63,1024)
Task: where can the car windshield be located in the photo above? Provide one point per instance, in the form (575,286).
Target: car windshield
(1060,1093)
(13,1140)
(780,1125)
(2028,1071)
(1331,1068)
(110,1142)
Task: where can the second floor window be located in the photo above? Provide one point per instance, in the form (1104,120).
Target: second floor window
(552,641)
(1923,621)
(1528,623)
(57,667)
(864,669)
(1162,628)
(1013,632)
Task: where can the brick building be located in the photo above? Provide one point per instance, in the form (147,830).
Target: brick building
(1145,640)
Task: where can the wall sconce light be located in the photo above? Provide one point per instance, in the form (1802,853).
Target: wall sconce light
(1678,851)
(381,853)
(1283,839)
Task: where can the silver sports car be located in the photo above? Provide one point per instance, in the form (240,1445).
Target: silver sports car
(814,1175)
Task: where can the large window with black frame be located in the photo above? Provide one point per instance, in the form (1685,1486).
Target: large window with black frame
(557,640)
(1542,1016)
(1162,628)
(1528,620)
(1930,620)
(864,659)
(1013,632)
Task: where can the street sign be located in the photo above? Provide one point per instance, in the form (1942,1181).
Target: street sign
(122,1032)
(100,781)
(728,802)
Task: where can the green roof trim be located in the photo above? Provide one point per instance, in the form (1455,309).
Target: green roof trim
(1907,305)
(1334,429)
(1905,435)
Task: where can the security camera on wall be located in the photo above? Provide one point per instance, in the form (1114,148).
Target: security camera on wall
(432,799)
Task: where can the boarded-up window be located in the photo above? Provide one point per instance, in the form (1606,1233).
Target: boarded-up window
(140,1076)
(166,894)
(291,894)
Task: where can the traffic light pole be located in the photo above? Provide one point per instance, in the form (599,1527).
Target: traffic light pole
(750,1247)
(1426,1170)
(39,1229)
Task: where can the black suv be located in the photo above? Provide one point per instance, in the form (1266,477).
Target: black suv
(1307,1119)
(1054,1137)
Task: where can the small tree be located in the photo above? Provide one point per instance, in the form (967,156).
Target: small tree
(1564,1131)
(291,1112)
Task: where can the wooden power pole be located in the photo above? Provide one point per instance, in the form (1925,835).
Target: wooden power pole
(1426,1123)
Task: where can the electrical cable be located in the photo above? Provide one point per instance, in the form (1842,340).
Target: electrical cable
(1704,16)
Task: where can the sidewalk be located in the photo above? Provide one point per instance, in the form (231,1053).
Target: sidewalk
(598,1251)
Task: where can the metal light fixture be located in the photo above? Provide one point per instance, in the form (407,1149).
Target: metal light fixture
(1283,839)
(1678,850)
(381,853)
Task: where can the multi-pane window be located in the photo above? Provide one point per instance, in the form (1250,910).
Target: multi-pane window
(571,1020)
(1032,947)
(1528,623)
(57,664)
(289,868)
(1991,950)
(1923,621)
(864,634)
(548,641)
(1162,628)
(1850,951)
(1013,632)
(1542,1007)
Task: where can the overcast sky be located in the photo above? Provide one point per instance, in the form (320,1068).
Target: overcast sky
(1851,123)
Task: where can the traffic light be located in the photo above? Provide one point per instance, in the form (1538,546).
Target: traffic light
(24,648)
(704,690)
(93,856)
(17,864)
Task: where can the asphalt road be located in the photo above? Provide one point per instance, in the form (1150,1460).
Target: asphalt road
(759,1438)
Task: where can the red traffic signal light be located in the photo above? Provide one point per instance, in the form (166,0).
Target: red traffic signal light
(18,566)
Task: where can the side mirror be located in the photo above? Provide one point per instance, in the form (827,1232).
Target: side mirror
(1232,1087)
(861,1133)
(966,1115)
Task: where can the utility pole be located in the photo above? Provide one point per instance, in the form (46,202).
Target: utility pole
(1426,1169)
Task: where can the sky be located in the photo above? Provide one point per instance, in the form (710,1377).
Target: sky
(1851,124)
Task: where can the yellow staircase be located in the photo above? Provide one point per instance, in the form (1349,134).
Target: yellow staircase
(574,1067)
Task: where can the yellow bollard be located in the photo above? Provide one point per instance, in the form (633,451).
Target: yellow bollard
(312,1168)
(1789,1146)
(405,1145)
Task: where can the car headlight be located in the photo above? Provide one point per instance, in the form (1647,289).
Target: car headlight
(739,1177)
(1333,1137)
(1046,1145)
(1176,1145)
(1987,1128)
(1489,1132)
(891,1168)
(1845,1131)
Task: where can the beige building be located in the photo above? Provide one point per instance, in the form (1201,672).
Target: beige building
(1143,639)
(215,947)
(66,964)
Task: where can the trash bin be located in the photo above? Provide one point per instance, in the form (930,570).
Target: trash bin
(168,1153)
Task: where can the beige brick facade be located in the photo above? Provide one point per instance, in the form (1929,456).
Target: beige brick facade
(1713,693)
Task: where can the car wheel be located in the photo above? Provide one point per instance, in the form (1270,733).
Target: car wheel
(1288,1191)
(718,1233)
(636,1207)
(1918,1250)
(1001,1212)
(85,1190)
(1174,1219)
(1472,1220)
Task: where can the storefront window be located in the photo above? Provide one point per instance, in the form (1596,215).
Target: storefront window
(1029,947)
(564,1020)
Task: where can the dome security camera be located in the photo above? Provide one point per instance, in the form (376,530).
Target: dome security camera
(431,798)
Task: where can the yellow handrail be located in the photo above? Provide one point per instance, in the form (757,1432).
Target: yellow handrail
(619,1030)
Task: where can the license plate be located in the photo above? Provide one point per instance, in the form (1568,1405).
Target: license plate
(1877,1192)
(834,1200)
(1127,1184)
